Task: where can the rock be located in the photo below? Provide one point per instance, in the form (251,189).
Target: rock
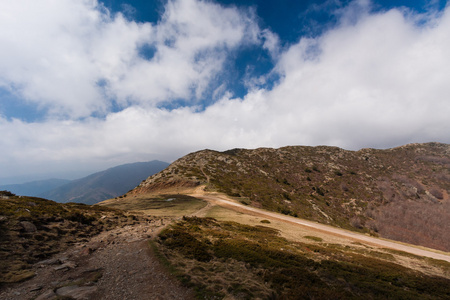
(86,251)
(28,226)
(48,262)
(66,266)
(76,292)
(49,294)
(35,288)
(91,248)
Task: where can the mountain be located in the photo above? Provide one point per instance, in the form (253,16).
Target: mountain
(400,193)
(34,188)
(106,184)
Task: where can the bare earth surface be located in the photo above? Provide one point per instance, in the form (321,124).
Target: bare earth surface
(224,201)
(113,265)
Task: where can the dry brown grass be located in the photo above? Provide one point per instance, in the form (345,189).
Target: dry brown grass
(226,259)
(304,234)
(221,276)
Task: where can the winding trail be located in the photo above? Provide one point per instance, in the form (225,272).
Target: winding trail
(224,201)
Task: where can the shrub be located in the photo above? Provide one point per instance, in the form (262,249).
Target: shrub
(437,193)
(288,272)
(179,239)
(356,222)
(314,238)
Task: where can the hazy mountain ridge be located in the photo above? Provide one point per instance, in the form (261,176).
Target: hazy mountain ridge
(106,184)
(34,188)
(400,193)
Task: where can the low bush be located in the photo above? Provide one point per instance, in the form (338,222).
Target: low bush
(292,270)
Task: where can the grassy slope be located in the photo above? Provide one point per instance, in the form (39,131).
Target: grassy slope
(228,259)
(391,192)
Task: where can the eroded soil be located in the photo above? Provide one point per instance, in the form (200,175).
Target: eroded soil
(116,264)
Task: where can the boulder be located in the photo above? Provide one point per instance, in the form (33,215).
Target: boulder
(28,226)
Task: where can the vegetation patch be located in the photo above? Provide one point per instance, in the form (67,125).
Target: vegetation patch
(228,259)
(175,205)
(313,238)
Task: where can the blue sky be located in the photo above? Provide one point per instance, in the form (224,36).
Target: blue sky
(86,85)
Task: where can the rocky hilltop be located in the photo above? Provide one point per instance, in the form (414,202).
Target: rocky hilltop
(400,193)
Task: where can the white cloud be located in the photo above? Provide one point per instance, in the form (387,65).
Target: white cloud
(271,43)
(67,55)
(378,81)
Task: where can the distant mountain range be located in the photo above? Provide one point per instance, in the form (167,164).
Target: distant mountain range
(91,189)
(34,188)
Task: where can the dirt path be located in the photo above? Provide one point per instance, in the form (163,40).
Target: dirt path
(117,264)
(224,201)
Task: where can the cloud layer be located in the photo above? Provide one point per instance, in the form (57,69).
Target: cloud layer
(76,59)
(377,79)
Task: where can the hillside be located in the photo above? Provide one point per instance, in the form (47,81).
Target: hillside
(106,184)
(33,229)
(400,193)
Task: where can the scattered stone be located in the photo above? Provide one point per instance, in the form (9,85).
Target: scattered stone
(55,283)
(66,266)
(86,251)
(49,262)
(76,292)
(47,295)
(94,246)
(100,275)
(35,288)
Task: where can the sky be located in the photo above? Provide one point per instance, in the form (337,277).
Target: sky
(86,85)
